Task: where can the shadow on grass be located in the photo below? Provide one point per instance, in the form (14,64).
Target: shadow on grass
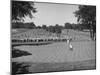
(18,53)
(29,67)
(19,68)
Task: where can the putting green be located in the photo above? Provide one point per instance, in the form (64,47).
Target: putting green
(58,52)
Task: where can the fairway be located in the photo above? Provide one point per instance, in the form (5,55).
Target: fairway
(58,52)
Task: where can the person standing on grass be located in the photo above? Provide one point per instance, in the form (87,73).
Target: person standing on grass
(69,44)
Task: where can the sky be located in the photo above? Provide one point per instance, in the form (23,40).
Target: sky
(53,13)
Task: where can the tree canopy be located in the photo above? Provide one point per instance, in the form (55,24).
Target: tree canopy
(23,25)
(86,14)
(21,9)
(68,26)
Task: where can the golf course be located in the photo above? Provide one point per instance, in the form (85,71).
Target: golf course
(57,56)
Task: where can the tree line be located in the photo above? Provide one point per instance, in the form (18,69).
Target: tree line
(31,25)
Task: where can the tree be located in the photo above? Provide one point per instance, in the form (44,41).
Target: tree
(51,29)
(58,30)
(38,27)
(44,26)
(55,29)
(23,25)
(68,26)
(21,9)
(87,15)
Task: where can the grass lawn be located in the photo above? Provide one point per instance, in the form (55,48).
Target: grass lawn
(58,52)
(30,67)
(58,57)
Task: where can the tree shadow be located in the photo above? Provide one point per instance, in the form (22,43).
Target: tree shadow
(18,53)
(20,68)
